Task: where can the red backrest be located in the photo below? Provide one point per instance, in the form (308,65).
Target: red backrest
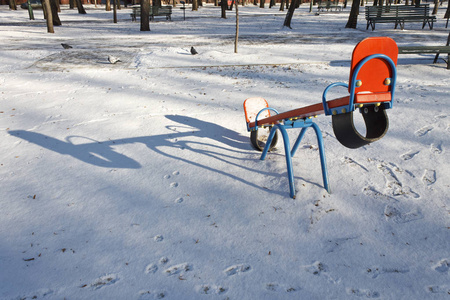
(375,71)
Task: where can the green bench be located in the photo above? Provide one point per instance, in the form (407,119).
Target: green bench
(399,14)
(154,12)
(428,49)
(329,5)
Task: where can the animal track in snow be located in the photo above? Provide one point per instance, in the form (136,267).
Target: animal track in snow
(393,184)
(179,200)
(334,244)
(233,270)
(443,266)
(102,281)
(424,130)
(275,287)
(211,289)
(409,155)
(436,289)
(429,177)
(144,295)
(353,163)
(375,272)
(174,184)
(151,269)
(372,192)
(394,214)
(158,238)
(319,269)
(436,149)
(177,269)
(363,293)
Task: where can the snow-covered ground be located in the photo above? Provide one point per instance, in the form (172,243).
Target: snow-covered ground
(137,180)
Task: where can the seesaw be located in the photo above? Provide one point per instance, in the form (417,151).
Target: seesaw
(371,89)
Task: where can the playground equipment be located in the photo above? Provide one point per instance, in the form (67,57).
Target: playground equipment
(371,89)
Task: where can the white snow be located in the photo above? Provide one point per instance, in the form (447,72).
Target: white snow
(137,180)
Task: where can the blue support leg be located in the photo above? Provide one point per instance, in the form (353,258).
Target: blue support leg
(299,139)
(287,150)
(323,161)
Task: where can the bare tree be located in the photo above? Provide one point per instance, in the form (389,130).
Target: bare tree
(12,5)
(54,13)
(237,28)
(436,6)
(145,15)
(194,5)
(46,7)
(80,7)
(353,18)
(108,5)
(261,3)
(224,6)
(290,13)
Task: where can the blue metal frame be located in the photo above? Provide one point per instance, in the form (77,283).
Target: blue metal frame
(257,116)
(307,122)
(354,80)
(304,124)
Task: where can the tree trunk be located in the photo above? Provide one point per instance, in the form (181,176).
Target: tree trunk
(145,15)
(237,29)
(54,13)
(353,18)
(108,5)
(290,14)
(48,15)
(224,6)
(114,11)
(261,3)
(12,5)
(447,12)
(436,6)
(282,5)
(80,7)
(194,5)
(71,4)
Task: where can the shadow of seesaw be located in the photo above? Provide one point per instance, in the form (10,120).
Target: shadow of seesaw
(103,154)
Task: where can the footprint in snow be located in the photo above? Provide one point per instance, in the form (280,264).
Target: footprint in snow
(363,293)
(102,282)
(174,184)
(429,177)
(275,287)
(443,266)
(376,271)
(409,155)
(177,269)
(158,238)
(424,130)
(393,184)
(236,269)
(211,289)
(436,149)
(146,295)
(151,269)
(442,289)
(397,216)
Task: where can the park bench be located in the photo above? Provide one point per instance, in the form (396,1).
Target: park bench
(329,5)
(428,49)
(154,12)
(399,14)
